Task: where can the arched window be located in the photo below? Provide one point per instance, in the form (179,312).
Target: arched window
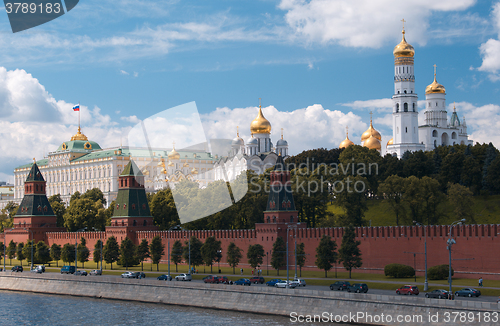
(291,219)
(406,129)
(397,107)
(135,223)
(414,107)
(406,107)
(434,133)
(405,91)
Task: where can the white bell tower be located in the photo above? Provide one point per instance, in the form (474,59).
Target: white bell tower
(405,107)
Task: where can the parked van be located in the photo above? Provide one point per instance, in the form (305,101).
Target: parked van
(68,270)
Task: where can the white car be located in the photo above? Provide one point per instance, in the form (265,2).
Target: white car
(183,277)
(299,282)
(95,272)
(283,284)
(128,275)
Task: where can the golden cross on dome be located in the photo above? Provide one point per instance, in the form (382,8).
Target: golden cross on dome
(237,131)
(371,116)
(173,145)
(454,109)
(34,161)
(403,20)
(435,69)
(260,102)
(347,130)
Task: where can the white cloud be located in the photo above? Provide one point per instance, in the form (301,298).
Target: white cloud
(490,51)
(363,23)
(136,74)
(123,72)
(481,121)
(131,119)
(382,105)
(310,127)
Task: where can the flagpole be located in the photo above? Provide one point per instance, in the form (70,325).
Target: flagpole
(78,115)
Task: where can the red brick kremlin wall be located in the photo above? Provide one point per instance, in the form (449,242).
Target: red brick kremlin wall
(475,252)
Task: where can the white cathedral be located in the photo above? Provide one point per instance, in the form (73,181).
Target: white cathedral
(407,135)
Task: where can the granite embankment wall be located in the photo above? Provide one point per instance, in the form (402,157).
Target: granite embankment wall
(255,299)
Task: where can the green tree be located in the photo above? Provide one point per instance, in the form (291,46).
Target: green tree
(68,253)
(209,251)
(349,252)
(11,208)
(97,252)
(177,253)
(392,190)
(19,253)
(278,257)
(83,213)
(196,258)
(30,245)
(255,255)
(128,253)
(301,256)
(461,200)
(2,250)
(326,254)
(163,210)
(233,255)
(59,208)
(11,251)
(111,251)
(83,252)
(143,252)
(350,194)
(55,253)
(95,195)
(42,253)
(157,250)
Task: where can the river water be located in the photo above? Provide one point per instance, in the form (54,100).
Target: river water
(20,308)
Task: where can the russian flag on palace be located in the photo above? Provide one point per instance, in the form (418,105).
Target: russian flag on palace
(76,107)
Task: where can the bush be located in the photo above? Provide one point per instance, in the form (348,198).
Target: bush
(399,271)
(439,272)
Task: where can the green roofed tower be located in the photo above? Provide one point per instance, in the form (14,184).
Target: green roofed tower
(131,211)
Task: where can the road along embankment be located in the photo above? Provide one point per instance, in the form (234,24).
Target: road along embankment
(304,305)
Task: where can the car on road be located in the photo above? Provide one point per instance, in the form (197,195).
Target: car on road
(17,269)
(211,279)
(223,279)
(468,292)
(128,275)
(139,275)
(36,270)
(408,290)
(257,279)
(358,288)
(243,281)
(340,286)
(284,284)
(164,278)
(81,273)
(440,294)
(183,277)
(68,269)
(41,268)
(299,282)
(272,282)
(95,272)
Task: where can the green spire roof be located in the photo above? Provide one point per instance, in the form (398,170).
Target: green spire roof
(34,174)
(131,169)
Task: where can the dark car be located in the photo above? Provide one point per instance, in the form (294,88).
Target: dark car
(257,279)
(340,286)
(139,275)
(440,294)
(164,278)
(358,288)
(408,290)
(17,269)
(81,273)
(273,282)
(468,292)
(211,279)
(243,281)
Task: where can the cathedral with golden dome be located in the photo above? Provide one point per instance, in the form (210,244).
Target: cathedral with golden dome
(257,154)
(407,135)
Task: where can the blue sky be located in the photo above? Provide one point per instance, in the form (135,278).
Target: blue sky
(318,66)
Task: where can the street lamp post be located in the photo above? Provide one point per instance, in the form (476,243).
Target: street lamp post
(451,242)
(426,283)
(168,254)
(219,257)
(287,253)
(267,264)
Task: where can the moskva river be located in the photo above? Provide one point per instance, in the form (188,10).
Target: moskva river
(20,308)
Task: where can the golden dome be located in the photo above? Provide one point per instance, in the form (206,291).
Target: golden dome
(371,132)
(373,143)
(170,164)
(79,136)
(346,142)
(435,87)
(403,49)
(260,125)
(174,155)
(390,142)
(194,171)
